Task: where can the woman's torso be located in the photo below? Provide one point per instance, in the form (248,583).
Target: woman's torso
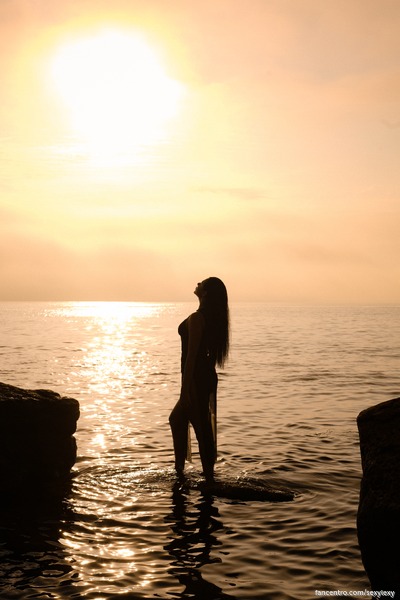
(204,372)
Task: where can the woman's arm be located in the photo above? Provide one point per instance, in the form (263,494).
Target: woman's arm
(195,332)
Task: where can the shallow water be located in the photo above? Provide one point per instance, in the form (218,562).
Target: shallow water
(288,399)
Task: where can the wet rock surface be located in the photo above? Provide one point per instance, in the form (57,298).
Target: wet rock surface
(378,518)
(247,489)
(37,442)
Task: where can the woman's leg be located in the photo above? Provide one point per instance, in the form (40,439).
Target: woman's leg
(206,449)
(179,422)
(200,418)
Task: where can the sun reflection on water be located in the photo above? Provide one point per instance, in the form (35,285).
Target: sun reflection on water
(118,367)
(114,358)
(123,369)
(121,311)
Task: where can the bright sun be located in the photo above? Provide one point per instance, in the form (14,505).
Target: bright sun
(118,94)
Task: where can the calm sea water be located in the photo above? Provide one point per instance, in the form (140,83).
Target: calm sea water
(288,400)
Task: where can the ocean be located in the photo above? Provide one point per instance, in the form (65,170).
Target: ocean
(287,405)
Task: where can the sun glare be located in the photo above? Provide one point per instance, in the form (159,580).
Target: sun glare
(117,92)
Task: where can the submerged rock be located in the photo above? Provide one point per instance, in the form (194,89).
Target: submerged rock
(378,518)
(37,444)
(248,489)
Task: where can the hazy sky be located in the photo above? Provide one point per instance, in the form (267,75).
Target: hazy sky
(255,140)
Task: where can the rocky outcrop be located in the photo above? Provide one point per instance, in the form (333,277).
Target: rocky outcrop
(247,488)
(378,519)
(36,436)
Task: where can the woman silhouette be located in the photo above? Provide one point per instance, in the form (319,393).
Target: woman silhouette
(205,344)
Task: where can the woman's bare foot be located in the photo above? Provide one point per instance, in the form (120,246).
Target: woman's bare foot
(180,473)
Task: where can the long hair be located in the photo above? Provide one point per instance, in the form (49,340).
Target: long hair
(215,306)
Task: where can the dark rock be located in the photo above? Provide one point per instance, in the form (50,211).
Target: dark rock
(247,489)
(378,518)
(36,436)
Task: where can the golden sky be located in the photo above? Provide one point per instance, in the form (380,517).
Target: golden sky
(147,145)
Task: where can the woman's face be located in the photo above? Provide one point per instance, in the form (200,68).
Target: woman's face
(200,291)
